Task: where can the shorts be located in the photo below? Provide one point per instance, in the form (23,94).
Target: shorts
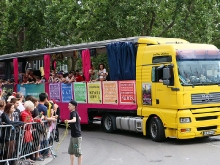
(75,146)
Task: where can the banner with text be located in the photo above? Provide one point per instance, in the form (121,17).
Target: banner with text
(127,92)
(67,93)
(31,89)
(54,91)
(80,93)
(110,92)
(94,92)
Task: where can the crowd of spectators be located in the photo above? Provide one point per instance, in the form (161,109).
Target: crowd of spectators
(17,111)
(31,77)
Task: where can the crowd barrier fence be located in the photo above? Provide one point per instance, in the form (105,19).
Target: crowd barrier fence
(20,143)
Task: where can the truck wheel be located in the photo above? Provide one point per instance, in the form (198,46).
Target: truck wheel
(157,132)
(109,123)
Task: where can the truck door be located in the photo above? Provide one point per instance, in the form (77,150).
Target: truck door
(165,96)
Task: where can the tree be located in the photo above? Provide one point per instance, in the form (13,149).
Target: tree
(30,24)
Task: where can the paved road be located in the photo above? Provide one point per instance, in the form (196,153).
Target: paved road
(125,148)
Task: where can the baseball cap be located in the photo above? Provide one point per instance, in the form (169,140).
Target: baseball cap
(73,102)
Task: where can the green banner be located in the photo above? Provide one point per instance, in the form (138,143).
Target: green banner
(80,94)
(31,89)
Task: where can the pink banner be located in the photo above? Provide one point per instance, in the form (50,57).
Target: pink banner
(15,64)
(127,92)
(46,66)
(86,63)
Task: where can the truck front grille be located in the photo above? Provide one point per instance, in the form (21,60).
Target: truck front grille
(206,118)
(204,98)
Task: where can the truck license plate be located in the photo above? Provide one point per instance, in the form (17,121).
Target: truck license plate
(206,133)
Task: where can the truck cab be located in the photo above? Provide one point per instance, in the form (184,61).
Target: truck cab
(178,89)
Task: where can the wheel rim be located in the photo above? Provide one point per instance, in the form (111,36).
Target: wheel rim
(154,129)
(108,123)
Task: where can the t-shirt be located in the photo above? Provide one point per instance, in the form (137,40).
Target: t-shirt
(26,116)
(94,76)
(75,127)
(21,107)
(102,72)
(1,111)
(79,78)
(16,115)
(42,108)
(35,113)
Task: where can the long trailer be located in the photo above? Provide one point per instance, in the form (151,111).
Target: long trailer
(162,87)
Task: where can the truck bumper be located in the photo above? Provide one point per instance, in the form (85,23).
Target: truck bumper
(204,122)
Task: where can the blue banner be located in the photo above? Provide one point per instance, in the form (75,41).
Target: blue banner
(67,92)
(31,89)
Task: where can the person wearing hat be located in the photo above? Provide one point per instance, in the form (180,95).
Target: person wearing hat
(76,137)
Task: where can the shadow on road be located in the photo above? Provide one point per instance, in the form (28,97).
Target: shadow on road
(97,128)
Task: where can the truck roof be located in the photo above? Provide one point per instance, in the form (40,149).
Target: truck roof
(194,46)
(91,45)
(160,40)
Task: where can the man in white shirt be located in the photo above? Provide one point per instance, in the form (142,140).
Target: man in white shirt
(20,97)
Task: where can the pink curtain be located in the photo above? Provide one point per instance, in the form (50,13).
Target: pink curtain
(15,64)
(46,66)
(86,63)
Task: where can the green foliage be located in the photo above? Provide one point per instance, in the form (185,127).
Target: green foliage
(30,24)
(99,59)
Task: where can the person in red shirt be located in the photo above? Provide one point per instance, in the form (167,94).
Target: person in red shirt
(26,117)
(78,77)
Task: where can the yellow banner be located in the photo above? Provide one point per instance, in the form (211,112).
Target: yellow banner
(110,92)
(94,92)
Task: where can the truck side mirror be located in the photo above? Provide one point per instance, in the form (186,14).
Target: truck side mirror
(168,79)
(166,73)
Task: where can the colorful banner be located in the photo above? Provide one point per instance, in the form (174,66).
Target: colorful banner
(146,93)
(67,93)
(80,93)
(31,89)
(94,92)
(54,91)
(127,92)
(110,92)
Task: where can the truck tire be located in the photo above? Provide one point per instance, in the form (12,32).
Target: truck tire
(157,132)
(109,123)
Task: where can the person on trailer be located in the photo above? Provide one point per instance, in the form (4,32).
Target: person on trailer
(76,137)
(93,73)
(78,77)
(102,72)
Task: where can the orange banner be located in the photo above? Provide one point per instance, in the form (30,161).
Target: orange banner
(110,92)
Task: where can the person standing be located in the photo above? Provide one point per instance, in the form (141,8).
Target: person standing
(102,72)
(20,97)
(76,137)
(17,112)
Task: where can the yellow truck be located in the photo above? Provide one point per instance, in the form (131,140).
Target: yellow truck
(177,86)
(180,84)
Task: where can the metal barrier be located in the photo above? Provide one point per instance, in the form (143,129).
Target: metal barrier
(9,143)
(22,142)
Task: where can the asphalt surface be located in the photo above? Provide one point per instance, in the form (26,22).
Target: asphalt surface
(126,148)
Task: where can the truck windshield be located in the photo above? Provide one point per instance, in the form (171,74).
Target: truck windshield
(199,72)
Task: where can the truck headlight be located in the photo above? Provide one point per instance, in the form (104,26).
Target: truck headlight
(185,120)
